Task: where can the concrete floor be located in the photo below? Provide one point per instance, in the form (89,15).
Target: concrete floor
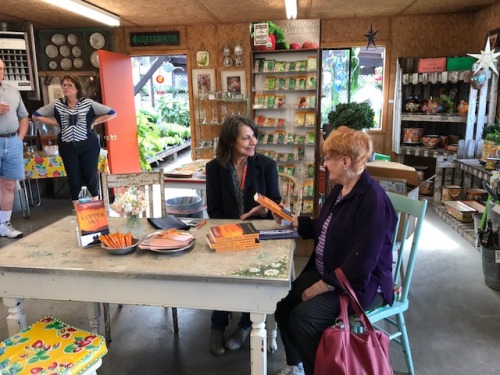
(453,321)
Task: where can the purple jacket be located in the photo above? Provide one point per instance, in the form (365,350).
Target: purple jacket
(359,239)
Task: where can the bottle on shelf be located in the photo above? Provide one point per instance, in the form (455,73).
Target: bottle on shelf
(84,196)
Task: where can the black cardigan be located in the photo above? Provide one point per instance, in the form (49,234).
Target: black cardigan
(262,177)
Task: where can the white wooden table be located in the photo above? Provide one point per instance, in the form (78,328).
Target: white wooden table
(48,264)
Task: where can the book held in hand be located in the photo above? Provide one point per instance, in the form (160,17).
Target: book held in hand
(92,222)
(273,206)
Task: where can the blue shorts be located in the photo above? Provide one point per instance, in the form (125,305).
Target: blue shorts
(11,158)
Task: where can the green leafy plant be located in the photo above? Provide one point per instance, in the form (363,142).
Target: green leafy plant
(149,140)
(492,133)
(358,116)
(173,110)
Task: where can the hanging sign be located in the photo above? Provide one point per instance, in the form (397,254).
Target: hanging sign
(160,78)
(163,38)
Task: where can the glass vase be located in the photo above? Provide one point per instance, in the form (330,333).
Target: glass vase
(134,226)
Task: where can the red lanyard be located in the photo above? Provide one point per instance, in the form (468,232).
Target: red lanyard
(243,178)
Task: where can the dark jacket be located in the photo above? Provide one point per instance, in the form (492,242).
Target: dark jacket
(262,177)
(359,239)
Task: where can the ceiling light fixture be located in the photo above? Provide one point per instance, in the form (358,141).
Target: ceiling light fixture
(87,10)
(291,9)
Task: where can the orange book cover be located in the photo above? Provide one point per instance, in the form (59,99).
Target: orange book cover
(233,232)
(92,222)
(252,243)
(273,206)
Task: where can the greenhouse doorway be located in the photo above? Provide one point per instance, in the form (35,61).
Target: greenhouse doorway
(161,95)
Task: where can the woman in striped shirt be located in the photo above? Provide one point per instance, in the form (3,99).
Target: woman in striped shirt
(79,144)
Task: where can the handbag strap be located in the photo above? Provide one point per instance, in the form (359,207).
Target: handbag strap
(353,300)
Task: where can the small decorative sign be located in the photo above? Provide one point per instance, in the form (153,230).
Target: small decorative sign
(261,31)
(164,38)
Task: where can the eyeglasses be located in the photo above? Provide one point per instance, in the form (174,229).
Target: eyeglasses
(332,158)
(67,85)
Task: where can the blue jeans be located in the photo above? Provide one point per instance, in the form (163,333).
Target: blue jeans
(220,320)
(11,158)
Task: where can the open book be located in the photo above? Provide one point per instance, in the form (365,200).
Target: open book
(273,206)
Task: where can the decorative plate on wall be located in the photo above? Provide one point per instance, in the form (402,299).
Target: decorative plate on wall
(51,51)
(64,51)
(97,40)
(66,64)
(94,59)
(58,39)
(78,63)
(72,39)
(53,65)
(77,51)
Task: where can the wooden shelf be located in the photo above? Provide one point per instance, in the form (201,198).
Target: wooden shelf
(438,117)
(427,152)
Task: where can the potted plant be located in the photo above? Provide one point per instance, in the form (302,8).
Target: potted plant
(358,116)
(491,144)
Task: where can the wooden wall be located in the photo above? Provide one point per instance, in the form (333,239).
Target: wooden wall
(403,36)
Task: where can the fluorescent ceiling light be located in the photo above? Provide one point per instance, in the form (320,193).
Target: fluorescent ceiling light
(87,10)
(291,9)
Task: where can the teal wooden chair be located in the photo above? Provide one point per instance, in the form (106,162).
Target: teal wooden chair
(411,214)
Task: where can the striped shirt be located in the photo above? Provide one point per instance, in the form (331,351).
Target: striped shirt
(320,247)
(75,122)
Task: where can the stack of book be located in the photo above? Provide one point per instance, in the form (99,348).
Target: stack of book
(233,237)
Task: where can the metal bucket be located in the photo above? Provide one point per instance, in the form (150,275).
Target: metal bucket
(185,206)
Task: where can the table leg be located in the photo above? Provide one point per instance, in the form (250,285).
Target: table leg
(94,314)
(16,320)
(39,198)
(258,345)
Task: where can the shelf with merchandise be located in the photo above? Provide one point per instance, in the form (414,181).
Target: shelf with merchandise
(285,92)
(209,115)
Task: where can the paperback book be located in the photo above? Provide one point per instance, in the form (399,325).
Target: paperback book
(273,206)
(233,232)
(92,222)
(252,243)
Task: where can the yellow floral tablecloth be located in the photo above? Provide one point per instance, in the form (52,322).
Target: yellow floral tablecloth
(52,166)
(50,346)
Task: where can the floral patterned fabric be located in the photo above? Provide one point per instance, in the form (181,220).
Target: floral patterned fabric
(52,166)
(50,347)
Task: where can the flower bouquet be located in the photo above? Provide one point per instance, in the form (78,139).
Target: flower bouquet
(130,204)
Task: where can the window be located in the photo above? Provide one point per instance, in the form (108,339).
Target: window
(352,75)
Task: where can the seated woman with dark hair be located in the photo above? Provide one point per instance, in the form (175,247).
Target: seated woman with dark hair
(233,178)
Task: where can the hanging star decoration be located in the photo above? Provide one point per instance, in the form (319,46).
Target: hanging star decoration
(487,58)
(371,37)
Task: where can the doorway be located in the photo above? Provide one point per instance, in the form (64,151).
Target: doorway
(162,105)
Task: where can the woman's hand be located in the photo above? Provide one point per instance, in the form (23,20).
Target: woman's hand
(256,211)
(279,220)
(319,287)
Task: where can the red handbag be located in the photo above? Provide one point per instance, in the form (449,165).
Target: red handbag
(342,352)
